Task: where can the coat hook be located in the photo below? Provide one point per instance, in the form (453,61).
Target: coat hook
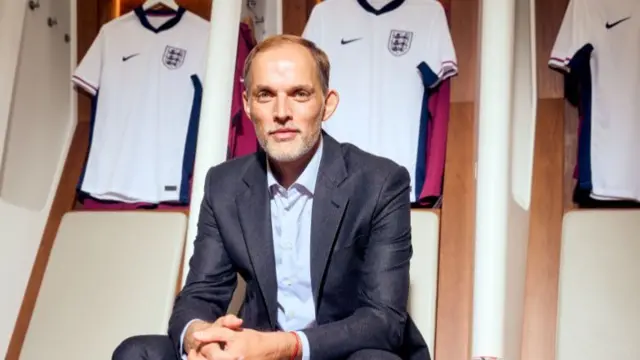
(34,4)
(52,21)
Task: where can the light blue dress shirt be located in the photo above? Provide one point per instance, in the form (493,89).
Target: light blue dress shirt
(291,229)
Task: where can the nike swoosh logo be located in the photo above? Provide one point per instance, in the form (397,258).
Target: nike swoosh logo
(610,25)
(125,58)
(344,42)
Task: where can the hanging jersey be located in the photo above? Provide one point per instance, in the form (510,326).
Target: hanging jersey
(439,108)
(145,69)
(383,60)
(242,135)
(610,29)
(438,126)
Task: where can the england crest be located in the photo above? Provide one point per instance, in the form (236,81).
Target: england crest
(173,57)
(399,42)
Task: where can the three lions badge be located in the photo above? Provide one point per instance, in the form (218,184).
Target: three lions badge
(399,42)
(173,57)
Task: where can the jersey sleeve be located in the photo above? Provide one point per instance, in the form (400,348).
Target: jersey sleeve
(87,74)
(440,57)
(313,28)
(573,35)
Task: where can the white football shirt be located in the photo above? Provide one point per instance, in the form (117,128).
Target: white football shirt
(146,71)
(611,27)
(384,57)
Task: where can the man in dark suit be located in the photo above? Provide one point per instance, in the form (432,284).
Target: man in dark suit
(319,230)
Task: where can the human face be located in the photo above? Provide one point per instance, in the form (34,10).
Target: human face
(285,102)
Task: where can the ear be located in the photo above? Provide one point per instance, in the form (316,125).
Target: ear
(245,103)
(330,104)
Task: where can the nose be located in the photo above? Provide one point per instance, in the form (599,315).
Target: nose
(282,111)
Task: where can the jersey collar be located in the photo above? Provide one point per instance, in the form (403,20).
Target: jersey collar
(142,15)
(392,5)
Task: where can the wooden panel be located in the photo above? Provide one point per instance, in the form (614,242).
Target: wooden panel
(464,32)
(295,14)
(107,10)
(541,289)
(457,219)
(571,121)
(549,14)
(554,160)
(62,203)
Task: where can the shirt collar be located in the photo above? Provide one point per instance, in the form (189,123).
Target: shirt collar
(308,177)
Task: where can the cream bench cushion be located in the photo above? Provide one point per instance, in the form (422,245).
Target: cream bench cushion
(599,288)
(110,275)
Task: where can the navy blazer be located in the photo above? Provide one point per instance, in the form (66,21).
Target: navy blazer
(360,253)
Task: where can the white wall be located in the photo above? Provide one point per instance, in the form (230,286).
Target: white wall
(506,123)
(39,115)
(37,119)
(522,142)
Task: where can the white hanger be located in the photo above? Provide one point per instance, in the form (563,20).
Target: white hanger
(168,3)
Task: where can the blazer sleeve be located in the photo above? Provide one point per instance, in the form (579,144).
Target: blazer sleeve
(379,321)
(212,277)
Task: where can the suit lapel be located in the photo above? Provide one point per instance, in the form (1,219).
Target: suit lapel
(329,205)
(255,220)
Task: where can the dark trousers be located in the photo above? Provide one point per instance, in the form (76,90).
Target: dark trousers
(160,347)
(146,347)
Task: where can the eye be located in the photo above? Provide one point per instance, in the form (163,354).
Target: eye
(301,94)
(263,95)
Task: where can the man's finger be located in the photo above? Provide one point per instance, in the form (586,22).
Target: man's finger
(193,355)
(221,355)
(231,321)
(214,352)
(214,334)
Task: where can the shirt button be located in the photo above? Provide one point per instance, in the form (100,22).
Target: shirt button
(287,245)
(287,282)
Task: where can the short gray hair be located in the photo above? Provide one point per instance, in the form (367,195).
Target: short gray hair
(323,67)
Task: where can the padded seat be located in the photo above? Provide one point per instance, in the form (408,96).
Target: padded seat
(425,229)
(113,274)
(599,289)
(110,275)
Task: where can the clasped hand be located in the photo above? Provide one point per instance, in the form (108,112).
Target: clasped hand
(227,340)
